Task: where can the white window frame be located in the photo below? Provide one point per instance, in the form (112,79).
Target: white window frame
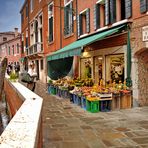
(67,3)
(31,5)
(70,19)
(49,16)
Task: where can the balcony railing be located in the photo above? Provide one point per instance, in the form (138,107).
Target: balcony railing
(35,48)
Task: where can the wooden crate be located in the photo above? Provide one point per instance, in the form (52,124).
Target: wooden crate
(116,101)
(125,100)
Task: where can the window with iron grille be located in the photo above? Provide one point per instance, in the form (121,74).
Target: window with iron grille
(68,19)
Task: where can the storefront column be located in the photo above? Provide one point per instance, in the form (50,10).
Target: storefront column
(134,74)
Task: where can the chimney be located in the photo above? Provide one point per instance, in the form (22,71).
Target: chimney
(16,32)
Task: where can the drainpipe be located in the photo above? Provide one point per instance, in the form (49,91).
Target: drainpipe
(76,19)
(60,24)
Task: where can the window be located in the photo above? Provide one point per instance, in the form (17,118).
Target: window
(13,50)
(9,50)
(128,8)
(50,22)
(4,39)
(96,16)
(68,19)
(17,46)
(122,9)
(31,5)
(110,11)
(22,17)
(42,65)
(27,10)
(36,31)
(84,22)
(22,46)
(26,38)
(143,6)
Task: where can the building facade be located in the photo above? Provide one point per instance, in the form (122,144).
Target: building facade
(5,36)
(109,36)
(44,31)
(11,48)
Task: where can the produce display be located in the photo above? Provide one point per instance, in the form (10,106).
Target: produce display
(85,93)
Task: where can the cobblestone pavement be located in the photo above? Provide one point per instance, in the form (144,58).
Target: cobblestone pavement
(66,125)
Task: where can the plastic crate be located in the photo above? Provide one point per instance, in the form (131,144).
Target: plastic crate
(105,105)
(74,99)
(52,90)
(83,102)
(92,106)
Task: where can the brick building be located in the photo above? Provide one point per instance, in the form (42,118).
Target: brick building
(95,33)
(5,36)
(43,31)
(11,47)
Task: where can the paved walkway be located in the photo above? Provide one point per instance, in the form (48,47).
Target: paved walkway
(66,125)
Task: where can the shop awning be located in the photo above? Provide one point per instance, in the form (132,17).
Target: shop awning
(76,47)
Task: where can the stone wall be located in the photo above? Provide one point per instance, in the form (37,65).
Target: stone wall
(139,51)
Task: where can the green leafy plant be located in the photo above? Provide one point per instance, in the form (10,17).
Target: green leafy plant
(13,76)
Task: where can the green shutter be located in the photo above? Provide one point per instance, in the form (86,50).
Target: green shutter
(143,6)
(128,8)
(107,15)
(88,20)
(72,25)
(79,24)
(113,11)
(96,16)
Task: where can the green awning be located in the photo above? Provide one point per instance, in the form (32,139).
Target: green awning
(76,47)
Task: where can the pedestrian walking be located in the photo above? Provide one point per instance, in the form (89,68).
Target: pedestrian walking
(32,73)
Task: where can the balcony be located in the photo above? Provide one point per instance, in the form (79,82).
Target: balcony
(34,49)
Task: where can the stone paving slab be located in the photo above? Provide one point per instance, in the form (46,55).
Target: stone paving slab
(66,125)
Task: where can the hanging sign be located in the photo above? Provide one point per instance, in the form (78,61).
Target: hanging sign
(145,33)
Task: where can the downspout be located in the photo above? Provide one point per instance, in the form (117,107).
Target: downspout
(76,19)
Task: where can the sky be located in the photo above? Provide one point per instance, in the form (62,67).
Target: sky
(10,17)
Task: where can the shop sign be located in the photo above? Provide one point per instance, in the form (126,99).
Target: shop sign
(145,33)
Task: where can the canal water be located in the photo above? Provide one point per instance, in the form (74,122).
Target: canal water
(4,115)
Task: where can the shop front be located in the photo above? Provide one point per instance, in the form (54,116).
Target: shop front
(104,71)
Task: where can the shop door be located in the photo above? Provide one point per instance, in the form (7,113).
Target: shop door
(37,69)
(98,69)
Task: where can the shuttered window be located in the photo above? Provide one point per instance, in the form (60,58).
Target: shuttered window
(96,16)
(88,20)
(83,22)
(112,11)
(143,6)
(50,29)
(107,14)
(68,19)
(128,8)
